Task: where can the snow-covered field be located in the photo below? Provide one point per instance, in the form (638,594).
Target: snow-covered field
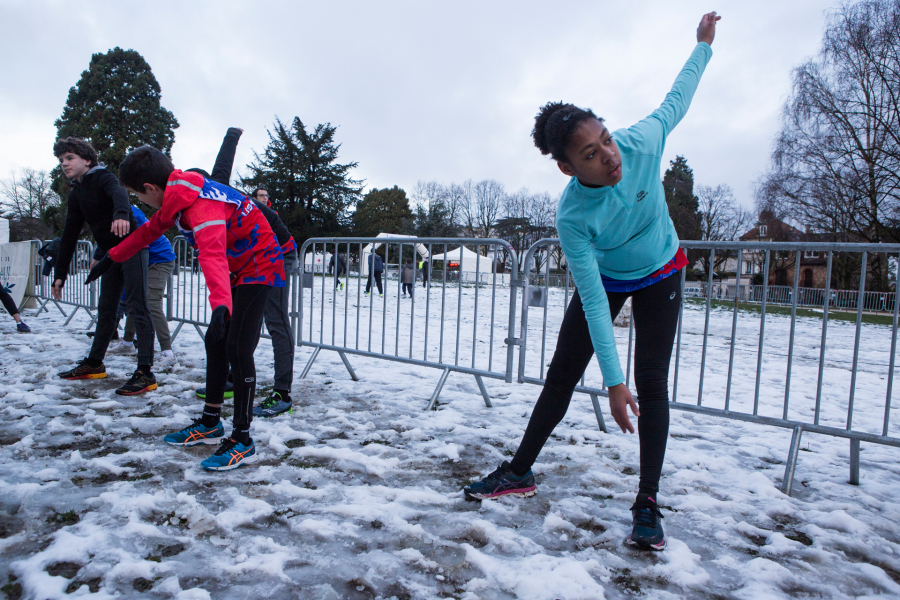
(357,493)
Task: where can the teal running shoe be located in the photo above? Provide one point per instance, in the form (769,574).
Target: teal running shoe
(196,433)
(502,482)
(230,455)
(646,526)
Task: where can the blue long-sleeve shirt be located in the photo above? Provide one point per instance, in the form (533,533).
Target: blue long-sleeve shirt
(160,250)
(624,231)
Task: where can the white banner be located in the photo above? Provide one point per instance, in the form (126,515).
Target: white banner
(15,268)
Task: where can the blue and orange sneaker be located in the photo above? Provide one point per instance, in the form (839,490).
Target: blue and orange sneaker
(196,433)
(230,455)
(502,482)
(646,528)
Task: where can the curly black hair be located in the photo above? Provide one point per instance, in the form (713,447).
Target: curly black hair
(76,146)
(553,127)
(145,165)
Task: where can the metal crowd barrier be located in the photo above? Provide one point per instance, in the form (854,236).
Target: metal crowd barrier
(453,323)
(834,409)
(186,298)
(74,292)
(784,296)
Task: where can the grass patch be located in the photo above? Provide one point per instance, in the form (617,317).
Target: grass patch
(295,443)
(777,309)
(67,518)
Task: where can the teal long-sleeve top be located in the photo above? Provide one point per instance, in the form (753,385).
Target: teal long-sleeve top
(624,231)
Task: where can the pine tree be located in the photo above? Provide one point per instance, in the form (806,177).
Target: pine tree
(311,190)
(116,106)
(684,206)
(380,211)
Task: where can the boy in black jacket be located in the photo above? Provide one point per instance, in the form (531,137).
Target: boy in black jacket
(97,198)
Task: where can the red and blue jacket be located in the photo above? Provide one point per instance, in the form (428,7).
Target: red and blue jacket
(235,242)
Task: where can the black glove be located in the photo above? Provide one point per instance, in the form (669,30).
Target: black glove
(99,269)
(217,324)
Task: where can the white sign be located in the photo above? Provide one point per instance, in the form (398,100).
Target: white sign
(15,267)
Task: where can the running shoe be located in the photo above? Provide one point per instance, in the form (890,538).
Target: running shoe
(139,383)
(230,455)
(646,526)
(122,347)
(502,482)
(23,328)
(274,405)
(84,371)
(229,391)
(165,358)
(196,433)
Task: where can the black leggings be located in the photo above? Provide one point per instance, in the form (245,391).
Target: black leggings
(8,303)
(655,313)
(241,338)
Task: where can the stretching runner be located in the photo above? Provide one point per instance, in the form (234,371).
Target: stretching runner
(619,241)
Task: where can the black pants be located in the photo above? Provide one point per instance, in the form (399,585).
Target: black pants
(337,277)
(241,338)
(130,276)
(408,288)
(655,313)
(8,303)
(377,275)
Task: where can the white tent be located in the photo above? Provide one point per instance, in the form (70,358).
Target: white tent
(318,262)
(370,248)
(467,260)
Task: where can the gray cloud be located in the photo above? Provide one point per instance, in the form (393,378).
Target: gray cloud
(419,90)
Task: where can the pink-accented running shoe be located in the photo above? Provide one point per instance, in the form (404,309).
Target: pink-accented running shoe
(502,482)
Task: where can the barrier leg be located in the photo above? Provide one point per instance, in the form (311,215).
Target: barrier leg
(70,316)
(177,329)
(60,308)
(310,362)
(484,394)
(349,368)
(854,462)
(93,318)
(42,307)
(600,423)
(788,481)
(437,391)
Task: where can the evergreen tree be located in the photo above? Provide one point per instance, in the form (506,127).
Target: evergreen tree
(380,211)
(434,220)
(116,106)
(311,190)
(684,206)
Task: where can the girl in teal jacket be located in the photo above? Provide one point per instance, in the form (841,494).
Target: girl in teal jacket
(619,242)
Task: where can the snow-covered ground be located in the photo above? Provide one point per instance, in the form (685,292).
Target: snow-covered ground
(357,493)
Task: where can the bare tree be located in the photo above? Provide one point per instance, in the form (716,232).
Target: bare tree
(25,199)
(836,162)
(483,208)
(721,219)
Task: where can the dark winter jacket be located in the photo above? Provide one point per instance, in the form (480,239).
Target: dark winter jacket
(341,264)
(99,200)
(408,273)
(49,251)
(378,263)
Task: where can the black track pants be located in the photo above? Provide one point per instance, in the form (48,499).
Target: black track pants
(241,339)
(8,303)
(655,313)
(377,275)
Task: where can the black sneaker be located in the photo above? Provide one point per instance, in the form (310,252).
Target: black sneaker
(274,405)
(84,371)
(229,391)
(646,527)
(139,383)
(502,482)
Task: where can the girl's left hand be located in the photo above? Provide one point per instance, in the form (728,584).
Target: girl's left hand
(706,31)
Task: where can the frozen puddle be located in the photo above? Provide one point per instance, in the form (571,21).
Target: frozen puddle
(357,494)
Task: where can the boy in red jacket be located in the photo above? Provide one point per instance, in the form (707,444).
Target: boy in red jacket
(232,237)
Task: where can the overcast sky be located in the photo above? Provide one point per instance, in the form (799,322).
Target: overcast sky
(419,90)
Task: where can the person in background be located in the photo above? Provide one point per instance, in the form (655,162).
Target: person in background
(337,265)
(408,277)
(376,266)
(425,268)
